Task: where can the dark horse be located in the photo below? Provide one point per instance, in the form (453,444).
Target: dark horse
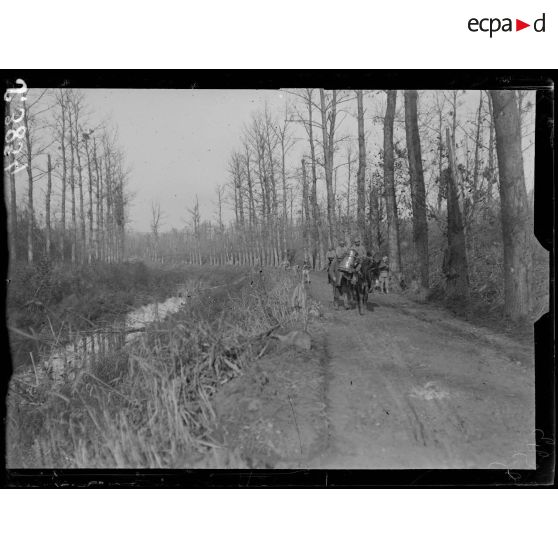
(370,270)
(350,286)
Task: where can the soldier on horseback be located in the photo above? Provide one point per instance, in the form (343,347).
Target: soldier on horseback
(347,275)
(358,248)
(341,250)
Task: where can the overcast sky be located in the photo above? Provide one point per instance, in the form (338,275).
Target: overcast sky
(177,143)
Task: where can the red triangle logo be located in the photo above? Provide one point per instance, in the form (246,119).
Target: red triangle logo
(519,25)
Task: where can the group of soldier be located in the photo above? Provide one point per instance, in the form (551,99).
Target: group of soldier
(336,255)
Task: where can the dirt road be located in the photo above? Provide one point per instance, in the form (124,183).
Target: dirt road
(409,386)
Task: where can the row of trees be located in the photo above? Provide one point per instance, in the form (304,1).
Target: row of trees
(432,172)
(84,213)
(433,179)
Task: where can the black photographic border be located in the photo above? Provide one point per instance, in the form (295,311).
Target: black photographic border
(545,386)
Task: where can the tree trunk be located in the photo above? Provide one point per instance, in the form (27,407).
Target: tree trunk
(361,194)
(30,210)
(477,159)
(73,191)
(101,225)
(490,181)
(316,224)
(251,205)
(13,222)
(389,190)
(13,203)
(98,208)
(237,178)
(455,260)
(347,227)
(516,221)
(441,193)
(236,215)
(64,179)
(47,213)
(418,193)
(120,218)
(80,178)
(327,137)
(374,218)
(305,210)
(90,212)
(276,240)
(109,210)
(284,185)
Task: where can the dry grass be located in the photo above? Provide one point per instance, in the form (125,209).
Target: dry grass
(149,404)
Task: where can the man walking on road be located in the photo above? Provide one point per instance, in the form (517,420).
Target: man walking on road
(384,275)
(330,256)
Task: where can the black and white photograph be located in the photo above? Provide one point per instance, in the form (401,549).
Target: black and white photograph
(290,278)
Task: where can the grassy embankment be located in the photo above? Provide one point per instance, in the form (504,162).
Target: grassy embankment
(56,302)
(149,404)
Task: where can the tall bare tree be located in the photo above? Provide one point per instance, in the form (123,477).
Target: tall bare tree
(47,209)
(348,206)
(418,192)
(77,105)
(100,222)
(72,182)
(9,113)
(491,164)
(271,144)
(361,194)
(477,162)
(155,224)
(30,210)
(306,118)
(196,222)
(250,185)
(455,260)
(235,169)
(328,112)
(374,230)
(285,143)
(516,223)
(440,101)
(318,247)
(389,189)
(305,214)
(109,199)
(90,247)
(61,100)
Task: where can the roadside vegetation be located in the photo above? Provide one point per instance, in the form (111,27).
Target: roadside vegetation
(55,300)
(149,403)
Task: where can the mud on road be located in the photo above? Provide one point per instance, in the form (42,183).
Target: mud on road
(404,386)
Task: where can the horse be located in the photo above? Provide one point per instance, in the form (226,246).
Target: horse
(350,286)
(370,270)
